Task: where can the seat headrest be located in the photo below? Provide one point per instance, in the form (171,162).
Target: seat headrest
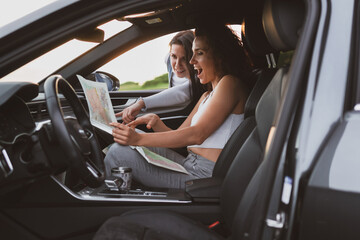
(254,37)
(282,21)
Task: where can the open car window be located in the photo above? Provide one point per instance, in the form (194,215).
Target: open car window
(143,67)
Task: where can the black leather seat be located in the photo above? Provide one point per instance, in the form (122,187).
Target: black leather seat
(241,183)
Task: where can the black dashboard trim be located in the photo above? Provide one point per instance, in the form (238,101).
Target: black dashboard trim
(25,90)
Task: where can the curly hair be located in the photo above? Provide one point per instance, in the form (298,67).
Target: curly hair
(227,50)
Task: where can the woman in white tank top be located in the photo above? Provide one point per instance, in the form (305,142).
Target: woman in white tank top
(221,64)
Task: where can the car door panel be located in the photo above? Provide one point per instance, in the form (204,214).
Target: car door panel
(331,199)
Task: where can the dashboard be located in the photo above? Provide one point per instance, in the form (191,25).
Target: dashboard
(18,134)
(15,121)
(28,148)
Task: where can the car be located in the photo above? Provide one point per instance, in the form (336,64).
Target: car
(289,172)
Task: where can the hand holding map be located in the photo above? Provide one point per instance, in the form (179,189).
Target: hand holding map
(102,114)
(100,107)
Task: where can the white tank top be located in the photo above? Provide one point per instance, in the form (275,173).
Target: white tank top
(218,138)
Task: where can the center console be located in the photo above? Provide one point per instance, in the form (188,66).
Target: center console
(205,190)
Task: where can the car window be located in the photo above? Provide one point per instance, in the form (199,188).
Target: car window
(46,64)
(142,67)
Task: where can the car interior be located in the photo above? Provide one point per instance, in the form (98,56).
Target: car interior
(51,188)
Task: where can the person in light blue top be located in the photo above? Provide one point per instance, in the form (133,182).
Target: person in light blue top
(183,86)
(221,65)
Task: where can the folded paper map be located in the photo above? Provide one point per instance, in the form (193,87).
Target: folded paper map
(159,160)
(100,107)
(102,113)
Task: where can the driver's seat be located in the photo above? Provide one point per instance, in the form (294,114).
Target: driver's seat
(238,186)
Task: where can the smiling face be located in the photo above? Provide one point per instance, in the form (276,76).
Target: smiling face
(204,62)
(178,61)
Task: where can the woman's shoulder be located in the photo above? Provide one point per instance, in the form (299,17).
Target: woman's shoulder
(236,80)
(230,81)
(234,83)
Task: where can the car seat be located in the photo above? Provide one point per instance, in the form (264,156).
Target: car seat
(241,183)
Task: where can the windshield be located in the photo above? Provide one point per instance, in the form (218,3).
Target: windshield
(13,17)
(41,67)
(16,13)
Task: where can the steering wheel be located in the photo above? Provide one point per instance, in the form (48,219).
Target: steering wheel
(75,136)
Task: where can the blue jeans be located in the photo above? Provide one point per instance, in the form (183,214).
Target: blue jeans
(153,176)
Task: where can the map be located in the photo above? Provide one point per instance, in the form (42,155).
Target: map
(100,107)
(102,113)
(159,160)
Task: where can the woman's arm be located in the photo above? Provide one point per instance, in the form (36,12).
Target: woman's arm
(224,100)
(125,134)
(129,113)
(174,96)
(178,96)
(152,121)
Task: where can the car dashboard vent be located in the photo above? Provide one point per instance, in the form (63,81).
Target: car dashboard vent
(39,111)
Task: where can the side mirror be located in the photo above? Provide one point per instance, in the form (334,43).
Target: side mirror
(112,82)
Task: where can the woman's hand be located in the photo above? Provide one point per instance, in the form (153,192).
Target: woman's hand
(124,134)
(129,113)
(150,120)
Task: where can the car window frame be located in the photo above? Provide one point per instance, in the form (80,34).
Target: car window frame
(353,101)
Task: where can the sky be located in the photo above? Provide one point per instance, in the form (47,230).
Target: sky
(14,9)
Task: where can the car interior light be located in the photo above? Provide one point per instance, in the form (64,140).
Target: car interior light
(153,20)
(148,14)
(139,15)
